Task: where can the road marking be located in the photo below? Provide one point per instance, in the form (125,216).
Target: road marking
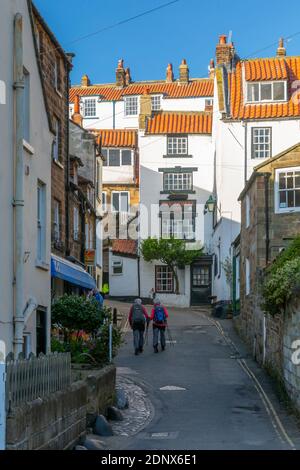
(274,418)
(172,387)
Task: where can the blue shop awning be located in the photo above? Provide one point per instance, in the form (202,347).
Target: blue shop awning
(70,272)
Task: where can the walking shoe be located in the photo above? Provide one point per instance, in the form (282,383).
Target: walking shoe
(155,349)
(163,348)
(141,350)
(136,352)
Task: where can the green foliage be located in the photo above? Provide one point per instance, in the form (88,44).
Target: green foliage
(84,326)
(76,313)
(282,279)
(171,252)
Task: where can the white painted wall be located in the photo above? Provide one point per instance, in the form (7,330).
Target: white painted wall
(36,166)
(125,284)
(231,171)
(123,174)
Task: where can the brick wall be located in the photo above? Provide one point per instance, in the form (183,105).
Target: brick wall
(52,58)
(252,322)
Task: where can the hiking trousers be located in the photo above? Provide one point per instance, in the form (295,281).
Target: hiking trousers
(138,339)
(159,333)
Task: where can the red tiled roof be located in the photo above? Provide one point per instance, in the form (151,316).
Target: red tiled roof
(117,137)
(125,247)
(195,88)
(180,123)
(287,68)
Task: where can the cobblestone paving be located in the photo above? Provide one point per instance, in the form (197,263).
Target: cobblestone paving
(139,413)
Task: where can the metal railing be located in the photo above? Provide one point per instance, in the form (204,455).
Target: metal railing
(36,377)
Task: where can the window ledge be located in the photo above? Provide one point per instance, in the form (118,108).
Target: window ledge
(179,191)
(177,156)
(57,162)
(42,265)
(28,147)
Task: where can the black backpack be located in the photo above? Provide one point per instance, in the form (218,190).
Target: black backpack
(138,317)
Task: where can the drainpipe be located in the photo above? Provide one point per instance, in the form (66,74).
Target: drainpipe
(114,114)
(245,151)
(267,231)
(19,186)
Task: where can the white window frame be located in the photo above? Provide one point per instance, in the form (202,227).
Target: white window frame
(237,278)
(247,210)
(272,100)
(247,276)
(90,107)
(156,102)
(128,199)
(131,105)
(104,204)
(56,140)
(41,221)
(177,145)
(267,141)
(117,265)
(174,181)
(164,275)
(76,223)
(56,221)
(282,210)
(121,150)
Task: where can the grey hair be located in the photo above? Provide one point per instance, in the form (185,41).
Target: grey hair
(157,301)
(138,301)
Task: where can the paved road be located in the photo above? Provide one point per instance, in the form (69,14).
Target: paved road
(218,407)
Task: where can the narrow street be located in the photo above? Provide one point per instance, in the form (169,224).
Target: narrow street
(216,406)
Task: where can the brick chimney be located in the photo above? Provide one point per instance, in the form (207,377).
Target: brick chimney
(183,72)
(281,51)
(127,76)
(224,51)
(85,81)
(145,108)
(211,69)
(170,75)
(76,116)
(120,74)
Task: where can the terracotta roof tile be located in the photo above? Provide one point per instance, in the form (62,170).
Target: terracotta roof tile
(287,68)
(125,247)
(117,137)
(180,123)
(195,88)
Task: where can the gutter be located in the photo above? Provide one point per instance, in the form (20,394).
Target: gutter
(18,201)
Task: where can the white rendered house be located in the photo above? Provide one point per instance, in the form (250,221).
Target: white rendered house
(25,185)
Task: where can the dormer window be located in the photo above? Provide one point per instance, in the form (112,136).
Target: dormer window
(258,92)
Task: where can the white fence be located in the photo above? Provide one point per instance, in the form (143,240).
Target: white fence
(36,377)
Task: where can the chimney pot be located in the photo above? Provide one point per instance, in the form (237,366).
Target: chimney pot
(281,51)
(223,39)
(212,69)
(183,72)
(224,51)
(76,117)
(170,75)
(120,74)
(127,76)
(85,81)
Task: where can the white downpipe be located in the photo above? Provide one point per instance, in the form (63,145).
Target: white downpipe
(19,185)
(264,339)
(2,397)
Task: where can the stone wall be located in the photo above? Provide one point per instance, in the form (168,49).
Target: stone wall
(291,369)
(59,421)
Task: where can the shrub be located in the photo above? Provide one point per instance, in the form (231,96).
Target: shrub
(282,279)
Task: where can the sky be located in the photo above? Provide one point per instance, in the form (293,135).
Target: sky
(184,29)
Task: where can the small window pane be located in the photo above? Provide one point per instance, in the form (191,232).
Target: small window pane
(124,202)
(266,91)
(114,157)
(131,105)
(278,91)
(290,195)
(126,157)
(253,92)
